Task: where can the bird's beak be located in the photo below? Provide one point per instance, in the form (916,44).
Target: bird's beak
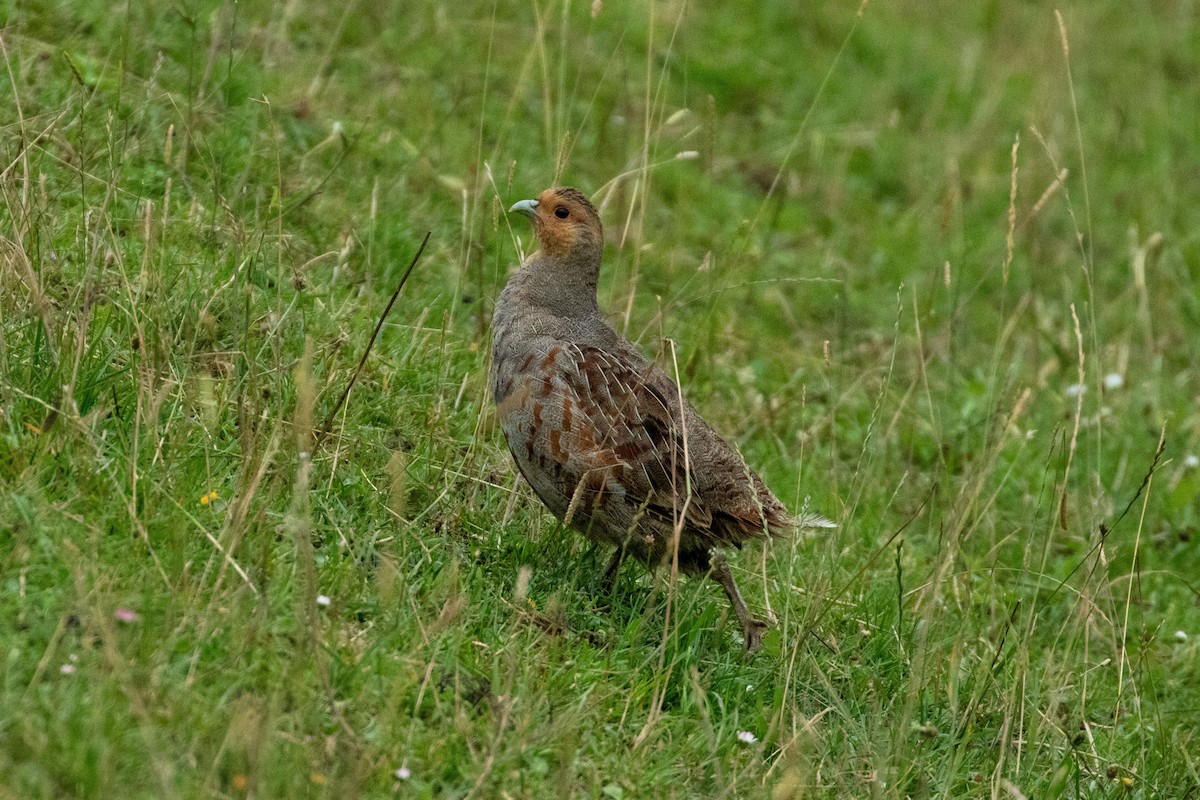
(526,207)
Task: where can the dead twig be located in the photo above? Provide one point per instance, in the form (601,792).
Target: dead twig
(327,425)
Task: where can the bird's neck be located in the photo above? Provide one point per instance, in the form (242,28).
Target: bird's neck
(565,287)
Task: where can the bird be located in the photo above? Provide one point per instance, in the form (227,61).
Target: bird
(602,434)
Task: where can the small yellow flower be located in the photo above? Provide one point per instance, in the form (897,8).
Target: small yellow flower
(207,498)
(1127,781)
(239,781)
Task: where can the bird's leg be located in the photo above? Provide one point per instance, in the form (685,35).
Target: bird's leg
(610,574)
(752,627)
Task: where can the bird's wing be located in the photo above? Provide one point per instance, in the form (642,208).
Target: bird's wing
(623,423)
(727,502)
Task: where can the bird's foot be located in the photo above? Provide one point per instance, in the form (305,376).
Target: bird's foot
(753,630)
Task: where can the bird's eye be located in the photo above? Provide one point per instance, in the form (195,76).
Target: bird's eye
(561,212)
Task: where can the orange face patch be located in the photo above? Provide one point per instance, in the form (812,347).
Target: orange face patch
(565,221)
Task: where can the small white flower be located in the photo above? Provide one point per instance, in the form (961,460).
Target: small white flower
(1181,636)
(749,687)
(323,600)
(747,737)
(1191,461)
(1114,380)
(403,773)
(67,669)
(1076,389)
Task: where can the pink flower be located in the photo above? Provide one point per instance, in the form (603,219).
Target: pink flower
(125,615)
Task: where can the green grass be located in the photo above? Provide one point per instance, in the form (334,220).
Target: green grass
(207,204)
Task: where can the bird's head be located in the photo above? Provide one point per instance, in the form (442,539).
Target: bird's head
(565,222)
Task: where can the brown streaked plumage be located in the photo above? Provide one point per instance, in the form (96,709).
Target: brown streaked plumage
(603,435)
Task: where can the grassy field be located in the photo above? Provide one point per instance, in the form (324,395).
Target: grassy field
(933,267)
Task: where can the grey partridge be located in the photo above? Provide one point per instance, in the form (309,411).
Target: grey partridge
(602,434)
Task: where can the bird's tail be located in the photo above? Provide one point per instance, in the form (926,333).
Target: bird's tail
(808,520)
